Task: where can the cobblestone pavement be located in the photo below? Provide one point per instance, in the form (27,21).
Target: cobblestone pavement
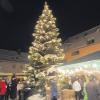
(36,97)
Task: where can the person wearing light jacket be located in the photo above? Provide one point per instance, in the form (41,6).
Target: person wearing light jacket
(77,88)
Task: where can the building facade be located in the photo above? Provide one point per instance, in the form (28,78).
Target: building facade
(12,62)
(82,44)
(82,54)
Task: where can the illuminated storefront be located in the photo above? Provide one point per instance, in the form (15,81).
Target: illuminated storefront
(82,53)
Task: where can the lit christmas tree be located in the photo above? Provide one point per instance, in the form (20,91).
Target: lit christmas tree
(45,51)
(46,47)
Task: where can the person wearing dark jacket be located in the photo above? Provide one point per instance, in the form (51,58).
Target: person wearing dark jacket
(13,87)
(8,91)
(93,89)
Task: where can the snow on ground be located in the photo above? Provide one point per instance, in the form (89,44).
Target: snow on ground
(36,97)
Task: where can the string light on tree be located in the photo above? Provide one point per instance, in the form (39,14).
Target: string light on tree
(46,47)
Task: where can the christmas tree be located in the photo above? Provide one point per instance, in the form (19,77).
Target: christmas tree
(45,51)
(46,47)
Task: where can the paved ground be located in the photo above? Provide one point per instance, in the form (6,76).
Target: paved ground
(36,97)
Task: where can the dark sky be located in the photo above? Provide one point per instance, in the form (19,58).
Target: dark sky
(18,18)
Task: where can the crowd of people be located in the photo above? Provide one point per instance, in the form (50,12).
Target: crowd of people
(8,88)
(13,89)
(84,87)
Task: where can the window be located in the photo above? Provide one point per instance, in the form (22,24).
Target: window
(75,53)
(91,41)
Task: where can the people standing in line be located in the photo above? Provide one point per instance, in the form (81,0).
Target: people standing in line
(2,88)
(77,88)
(54,93)
(92,90)
(13,87)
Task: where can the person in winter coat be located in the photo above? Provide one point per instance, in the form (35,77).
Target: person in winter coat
(2,89)
(86,80)
(8,90)
(13,87)
(54,93)
(92,90)
(77,88)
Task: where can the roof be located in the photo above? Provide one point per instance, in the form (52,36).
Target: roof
(8,55)
(92,30)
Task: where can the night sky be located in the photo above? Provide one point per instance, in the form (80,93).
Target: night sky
(18,18)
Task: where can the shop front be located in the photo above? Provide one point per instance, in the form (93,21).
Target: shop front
(84,67)
(89,64)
